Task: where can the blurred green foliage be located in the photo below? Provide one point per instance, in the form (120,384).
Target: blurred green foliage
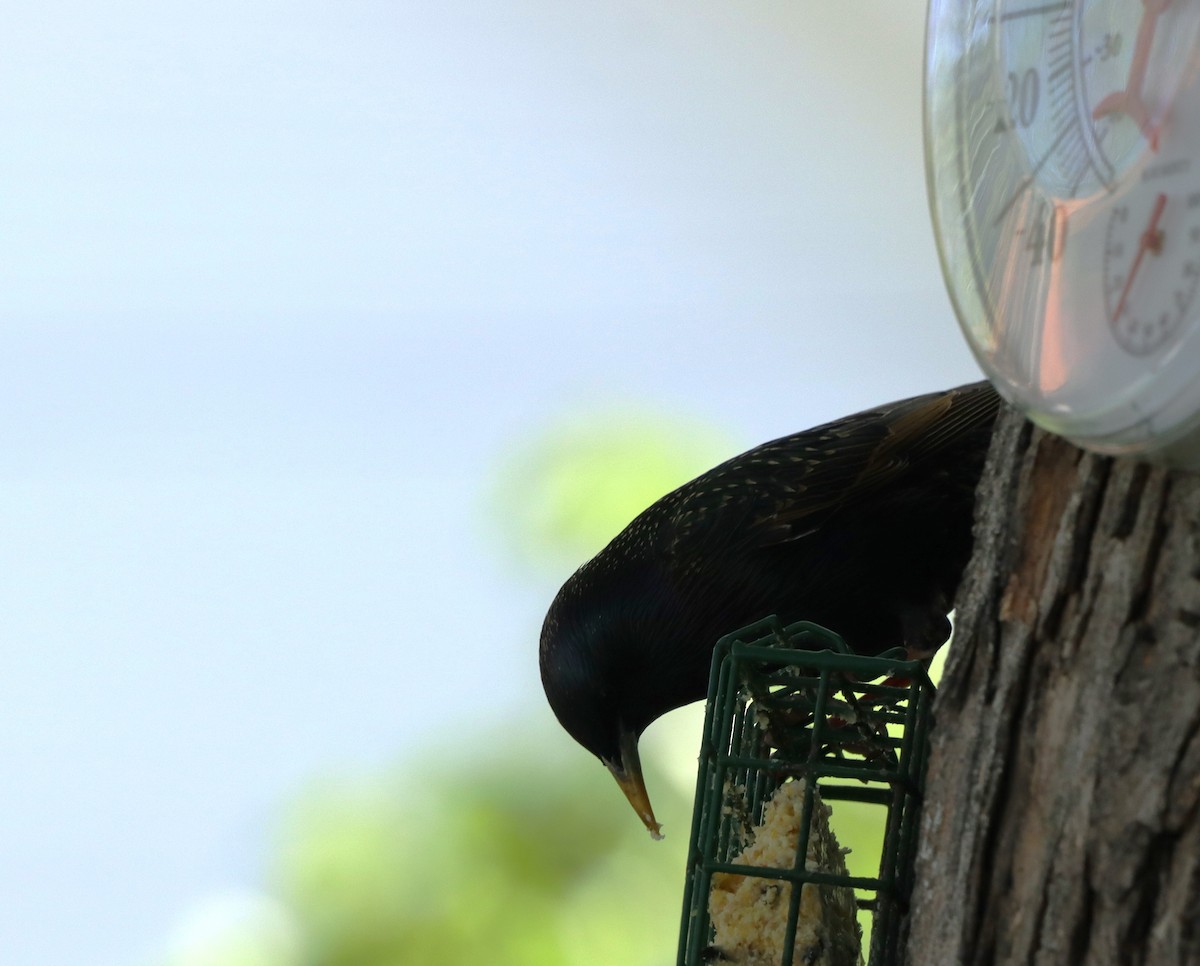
(562,497)
(514,860)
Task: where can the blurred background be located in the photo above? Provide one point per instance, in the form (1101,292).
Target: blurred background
(334,337)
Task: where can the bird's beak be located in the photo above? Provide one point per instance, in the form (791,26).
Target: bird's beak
(628,773)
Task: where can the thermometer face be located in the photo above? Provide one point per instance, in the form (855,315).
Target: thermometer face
(1063,155)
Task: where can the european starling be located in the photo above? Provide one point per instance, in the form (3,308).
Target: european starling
(862,525)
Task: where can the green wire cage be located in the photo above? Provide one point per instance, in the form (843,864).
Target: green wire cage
(791,711)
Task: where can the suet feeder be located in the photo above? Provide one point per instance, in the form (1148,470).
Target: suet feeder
(792,711)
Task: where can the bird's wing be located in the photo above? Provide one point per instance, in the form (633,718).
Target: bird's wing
(787,489)
(930,425)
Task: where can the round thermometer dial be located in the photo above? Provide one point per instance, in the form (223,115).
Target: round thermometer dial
(1063,155)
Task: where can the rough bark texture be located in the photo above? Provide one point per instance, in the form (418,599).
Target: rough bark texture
(1062,823)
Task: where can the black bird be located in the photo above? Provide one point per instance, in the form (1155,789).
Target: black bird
(862,525)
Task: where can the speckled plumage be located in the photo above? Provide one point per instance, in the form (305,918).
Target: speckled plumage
(862,525)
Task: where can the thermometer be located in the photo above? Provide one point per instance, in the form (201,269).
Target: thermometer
(1063,158)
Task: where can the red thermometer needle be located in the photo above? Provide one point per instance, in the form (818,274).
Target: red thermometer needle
(1151,240)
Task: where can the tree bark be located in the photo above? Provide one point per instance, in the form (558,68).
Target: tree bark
(1061,822)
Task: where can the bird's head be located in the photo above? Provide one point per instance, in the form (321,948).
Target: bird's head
(593,663)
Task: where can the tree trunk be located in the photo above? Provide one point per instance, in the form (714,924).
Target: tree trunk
(1061,822)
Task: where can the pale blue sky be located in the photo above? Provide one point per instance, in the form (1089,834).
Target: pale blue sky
(283,283)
